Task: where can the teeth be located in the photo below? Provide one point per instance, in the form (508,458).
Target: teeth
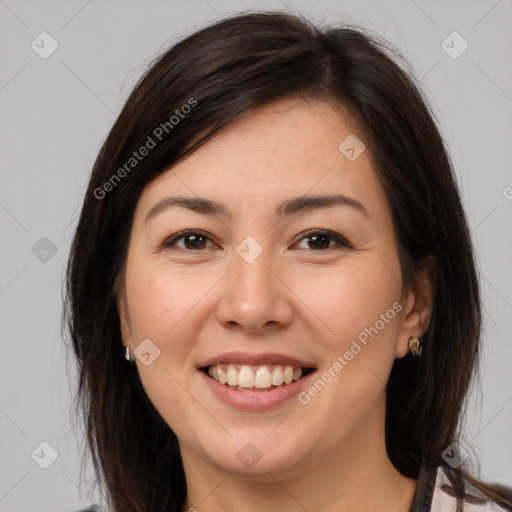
(221,375)
(288,374)
(263,377)
(232,376)
(245,377)
(259,377)
(277,376)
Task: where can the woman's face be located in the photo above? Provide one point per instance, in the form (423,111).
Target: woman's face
(257,287)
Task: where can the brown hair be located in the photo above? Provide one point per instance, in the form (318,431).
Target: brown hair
(228,68)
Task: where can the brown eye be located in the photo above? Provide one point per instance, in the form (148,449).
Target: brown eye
(317,240)
(321,239)
(192,240)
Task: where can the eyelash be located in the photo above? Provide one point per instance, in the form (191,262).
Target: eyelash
(338,239)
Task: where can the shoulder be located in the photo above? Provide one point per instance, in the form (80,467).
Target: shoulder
(475,500)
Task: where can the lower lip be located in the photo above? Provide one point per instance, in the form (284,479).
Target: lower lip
(255,400)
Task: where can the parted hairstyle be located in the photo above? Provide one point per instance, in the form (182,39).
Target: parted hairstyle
(222,71)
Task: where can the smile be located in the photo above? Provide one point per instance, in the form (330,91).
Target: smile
(256,378)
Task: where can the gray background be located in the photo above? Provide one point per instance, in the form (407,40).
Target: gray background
(56,111)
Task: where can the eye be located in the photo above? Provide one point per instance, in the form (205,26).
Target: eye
(196,240)
(193,239)
(320,239)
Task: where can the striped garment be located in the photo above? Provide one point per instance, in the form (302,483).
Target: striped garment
(431,497)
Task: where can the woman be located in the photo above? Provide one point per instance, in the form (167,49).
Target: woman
(273,237)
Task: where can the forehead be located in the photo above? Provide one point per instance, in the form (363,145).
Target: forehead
(288,147)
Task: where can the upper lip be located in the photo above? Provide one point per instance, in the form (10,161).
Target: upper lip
(254,360)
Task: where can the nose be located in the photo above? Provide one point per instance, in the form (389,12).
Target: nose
(255,296)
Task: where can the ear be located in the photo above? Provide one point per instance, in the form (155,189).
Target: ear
(122,307)
(419,303)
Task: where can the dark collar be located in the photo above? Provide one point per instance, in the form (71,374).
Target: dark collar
(422,500)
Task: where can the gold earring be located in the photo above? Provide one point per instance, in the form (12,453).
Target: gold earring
(127,354)
(414,345)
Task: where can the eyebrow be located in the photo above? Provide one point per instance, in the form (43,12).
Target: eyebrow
(285,209)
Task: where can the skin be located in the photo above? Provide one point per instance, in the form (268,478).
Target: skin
(294,299)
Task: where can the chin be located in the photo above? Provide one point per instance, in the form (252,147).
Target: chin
(255,454)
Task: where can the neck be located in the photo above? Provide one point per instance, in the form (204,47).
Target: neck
(354,475)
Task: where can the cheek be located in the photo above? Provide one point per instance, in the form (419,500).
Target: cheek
(359,306)
(169,307)
(162,309)
(352,297)
(161,301)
